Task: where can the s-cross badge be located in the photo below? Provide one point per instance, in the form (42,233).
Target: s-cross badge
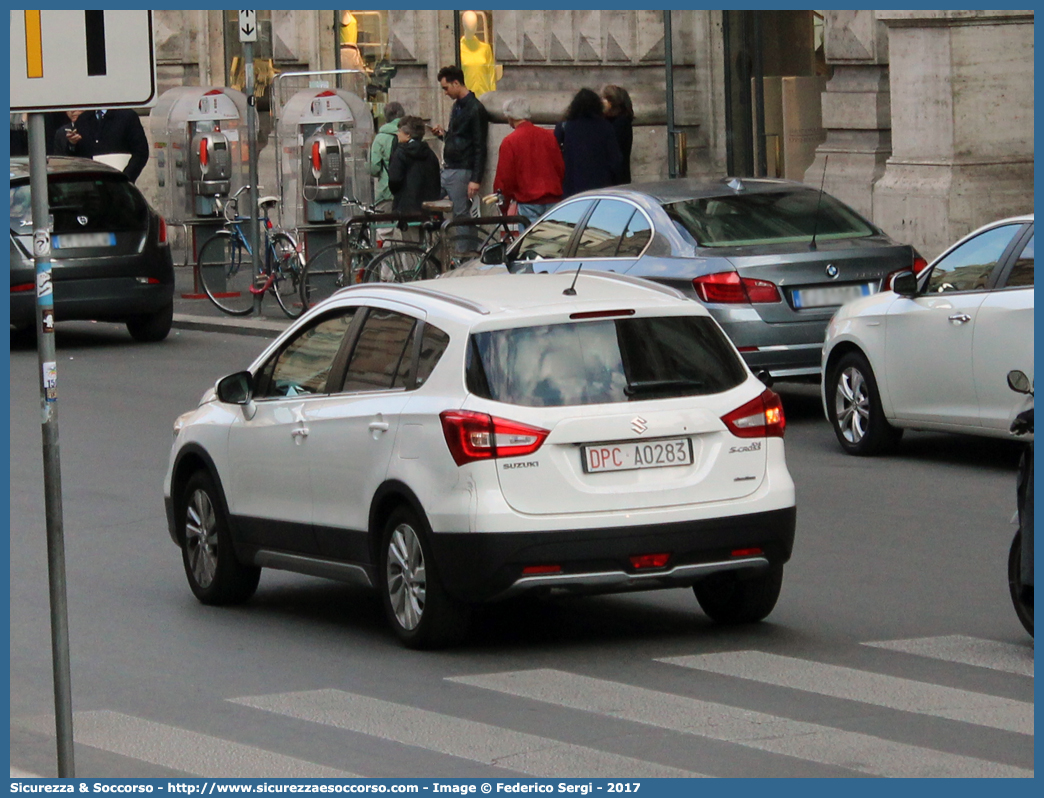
(82,220)
(639,425)
(831,271)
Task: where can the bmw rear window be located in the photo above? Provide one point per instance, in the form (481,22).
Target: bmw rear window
(603,361)
(767,217)
(83,204)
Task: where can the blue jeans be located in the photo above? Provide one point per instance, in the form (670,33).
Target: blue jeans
(531,211)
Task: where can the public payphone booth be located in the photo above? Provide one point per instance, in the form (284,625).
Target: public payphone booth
(200,134)
(324,139)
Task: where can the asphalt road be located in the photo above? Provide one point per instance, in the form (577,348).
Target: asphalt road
(306,680)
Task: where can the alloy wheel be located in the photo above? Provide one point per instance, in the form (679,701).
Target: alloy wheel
(201,538)
(852,404)
(406,578)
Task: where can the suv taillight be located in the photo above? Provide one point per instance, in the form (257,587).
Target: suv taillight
(759,418)
(479,436)
(162,230)
(729,288)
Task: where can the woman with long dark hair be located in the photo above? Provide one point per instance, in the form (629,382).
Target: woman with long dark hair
(620,113)
(589,146)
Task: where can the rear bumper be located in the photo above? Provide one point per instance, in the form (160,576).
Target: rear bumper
(483,567)
(108,299)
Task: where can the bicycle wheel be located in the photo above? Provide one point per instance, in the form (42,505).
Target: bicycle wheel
(226,273)
(288,267)
(402,263)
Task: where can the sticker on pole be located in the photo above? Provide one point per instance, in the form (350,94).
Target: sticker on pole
(41,243)
(47,320)
(50,380)
(44,286)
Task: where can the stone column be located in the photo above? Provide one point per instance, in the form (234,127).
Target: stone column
(855,109)
(962,116)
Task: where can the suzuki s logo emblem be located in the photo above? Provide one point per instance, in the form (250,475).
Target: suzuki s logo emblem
(82,220)
(831,271)
(638,425)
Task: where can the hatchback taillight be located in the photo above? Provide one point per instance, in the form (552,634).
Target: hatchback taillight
(162,230)
(729,288)
(479,436)
(759,418)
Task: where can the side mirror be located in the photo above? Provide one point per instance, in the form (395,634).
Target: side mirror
(493,255)
(1019,382)
(905,284)
(236,389)
(765,378)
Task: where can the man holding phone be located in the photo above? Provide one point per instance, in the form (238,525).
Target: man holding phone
(464,148)
(105,132)
(67,138)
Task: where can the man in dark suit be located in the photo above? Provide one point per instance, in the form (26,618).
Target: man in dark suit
(114,131)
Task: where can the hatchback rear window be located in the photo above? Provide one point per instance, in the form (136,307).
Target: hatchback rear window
(598,362)
(778,217)
(83,204)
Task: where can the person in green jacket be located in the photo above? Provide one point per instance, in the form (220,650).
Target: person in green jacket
(380,153)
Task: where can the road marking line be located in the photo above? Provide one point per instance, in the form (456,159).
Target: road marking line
(808,741)
(866,687)
(179,749)
(967,651)
(466,739)
(33,45)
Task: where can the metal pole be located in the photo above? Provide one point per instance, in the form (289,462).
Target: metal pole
(255,254)
(51,460)
(759,98)
(668,55)
(456,38)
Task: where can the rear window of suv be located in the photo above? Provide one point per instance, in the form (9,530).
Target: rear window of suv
(83,204)
(767,217)
(599,362)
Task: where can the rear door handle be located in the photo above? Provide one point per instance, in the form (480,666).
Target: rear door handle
(960,318)
(379,426)
(299,432)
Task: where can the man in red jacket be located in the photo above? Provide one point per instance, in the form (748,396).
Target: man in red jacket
(530,166)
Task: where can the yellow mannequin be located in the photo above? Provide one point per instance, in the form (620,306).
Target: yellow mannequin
(349,28)
(476,58)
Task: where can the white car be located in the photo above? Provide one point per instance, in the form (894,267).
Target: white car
(934,353)
(459,441)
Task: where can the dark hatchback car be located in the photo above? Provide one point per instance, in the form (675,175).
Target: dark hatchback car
(771,259)
(110,256)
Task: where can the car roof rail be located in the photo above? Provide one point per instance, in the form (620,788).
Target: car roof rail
(428,292)
(642,282)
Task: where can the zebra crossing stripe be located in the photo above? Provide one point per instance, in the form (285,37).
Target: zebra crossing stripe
(808,741)
(967,651)
(876,689)
(466,739)
(179,749)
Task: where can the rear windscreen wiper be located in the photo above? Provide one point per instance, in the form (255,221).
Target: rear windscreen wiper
(656,386)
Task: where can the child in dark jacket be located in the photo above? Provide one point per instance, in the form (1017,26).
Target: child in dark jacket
(413,173)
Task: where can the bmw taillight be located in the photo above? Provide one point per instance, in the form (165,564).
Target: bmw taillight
(759,418)
(478,436)
(162,230)
(729,288)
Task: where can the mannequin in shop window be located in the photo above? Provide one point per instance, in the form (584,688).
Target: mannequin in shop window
(476,57)
(351,58)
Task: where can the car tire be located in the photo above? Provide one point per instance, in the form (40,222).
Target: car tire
(854,403)
(421,613)
(731,597)
(213,572)
(152,327)
(1021,596)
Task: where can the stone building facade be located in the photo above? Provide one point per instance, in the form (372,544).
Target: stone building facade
(927,116)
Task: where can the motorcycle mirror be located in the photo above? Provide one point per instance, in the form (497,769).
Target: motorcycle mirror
(1019,382)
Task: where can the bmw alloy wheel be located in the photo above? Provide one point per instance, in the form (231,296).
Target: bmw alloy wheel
(852,404)
(201,538)
(406,577)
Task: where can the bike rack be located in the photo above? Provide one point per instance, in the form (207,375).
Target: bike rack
(477,221)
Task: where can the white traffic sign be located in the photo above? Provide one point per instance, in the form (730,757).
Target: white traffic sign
(248,26)
(81,59)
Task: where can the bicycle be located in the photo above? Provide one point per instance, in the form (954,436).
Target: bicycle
(344,262)
(225,268)
(406,262)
